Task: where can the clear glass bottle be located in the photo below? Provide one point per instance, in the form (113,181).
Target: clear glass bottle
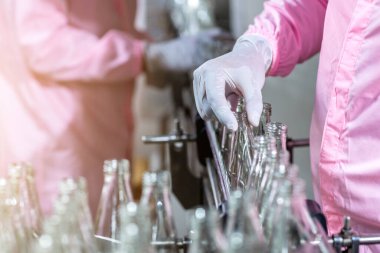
(134,238)
(84,215)
(293,229)
(49,240)
(206,235)
(24,234)
(263,147)
(266,176)
(22,177)
(73,212)
(279,172)
(9,240)
(155,202)
(317,237)
(240,157)
(116,193)
(264,120)
(68,236)
(279,131)
(243,229)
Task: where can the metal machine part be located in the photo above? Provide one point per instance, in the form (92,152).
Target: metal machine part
(295,143)
(185,186)
(348,241)
(106,243)
(344,242)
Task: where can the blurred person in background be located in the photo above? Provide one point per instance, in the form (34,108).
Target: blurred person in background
(67,70)
(344,134)
(165,96)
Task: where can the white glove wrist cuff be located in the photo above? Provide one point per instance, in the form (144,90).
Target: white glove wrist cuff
(260,44)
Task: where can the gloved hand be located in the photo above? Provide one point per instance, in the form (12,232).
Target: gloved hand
(240,72)
(182,54)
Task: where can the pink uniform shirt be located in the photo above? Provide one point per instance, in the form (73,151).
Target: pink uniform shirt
(66,81)
(345,127)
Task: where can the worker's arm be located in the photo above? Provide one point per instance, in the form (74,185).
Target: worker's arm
(286,33)
(55,49)
(294,29)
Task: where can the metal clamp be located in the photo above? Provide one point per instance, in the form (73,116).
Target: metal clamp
(348,241)
(108,243)
(177,136)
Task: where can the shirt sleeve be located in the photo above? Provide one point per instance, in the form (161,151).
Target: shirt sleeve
(55,49)
(294,29)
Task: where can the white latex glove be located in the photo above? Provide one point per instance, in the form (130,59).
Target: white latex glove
(240,72)
(182,54)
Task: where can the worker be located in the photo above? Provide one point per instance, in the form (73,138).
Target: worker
(344,134)
(66,82)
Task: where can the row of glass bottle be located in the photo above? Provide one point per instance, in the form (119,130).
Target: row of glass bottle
(21,219)
(70,228)
(285,227)
(266,211)
(276,220)
(23,228)
(257,164)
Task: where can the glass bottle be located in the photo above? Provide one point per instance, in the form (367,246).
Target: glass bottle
(49,241)
(279,172)
(293,229)
(279,131)
(263,147)
(67,235)
(264,120)
(133,236)
(266,176)
(22,176)
(84,215)
(243,229)
(206,235)
(317,237)
(240,157)
(18,210)
(116,192)
(155,202)
(9,240)
(73,212)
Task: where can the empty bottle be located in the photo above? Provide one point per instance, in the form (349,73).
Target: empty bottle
(263,147)
(134,237)
(116,193)
(155,202)
(11,233)
(243,228)
(264,120)
(293,229)
(279,131)
(21,175)
(206,235)
(240,157)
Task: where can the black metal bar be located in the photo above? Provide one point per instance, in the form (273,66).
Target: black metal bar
(297,143)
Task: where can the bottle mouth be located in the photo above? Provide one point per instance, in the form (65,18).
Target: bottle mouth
(277,128)
(114,165)
(156,178)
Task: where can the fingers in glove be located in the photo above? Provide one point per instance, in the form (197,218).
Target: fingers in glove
(250,87)
(199,92)
(216,99)
(254,107)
